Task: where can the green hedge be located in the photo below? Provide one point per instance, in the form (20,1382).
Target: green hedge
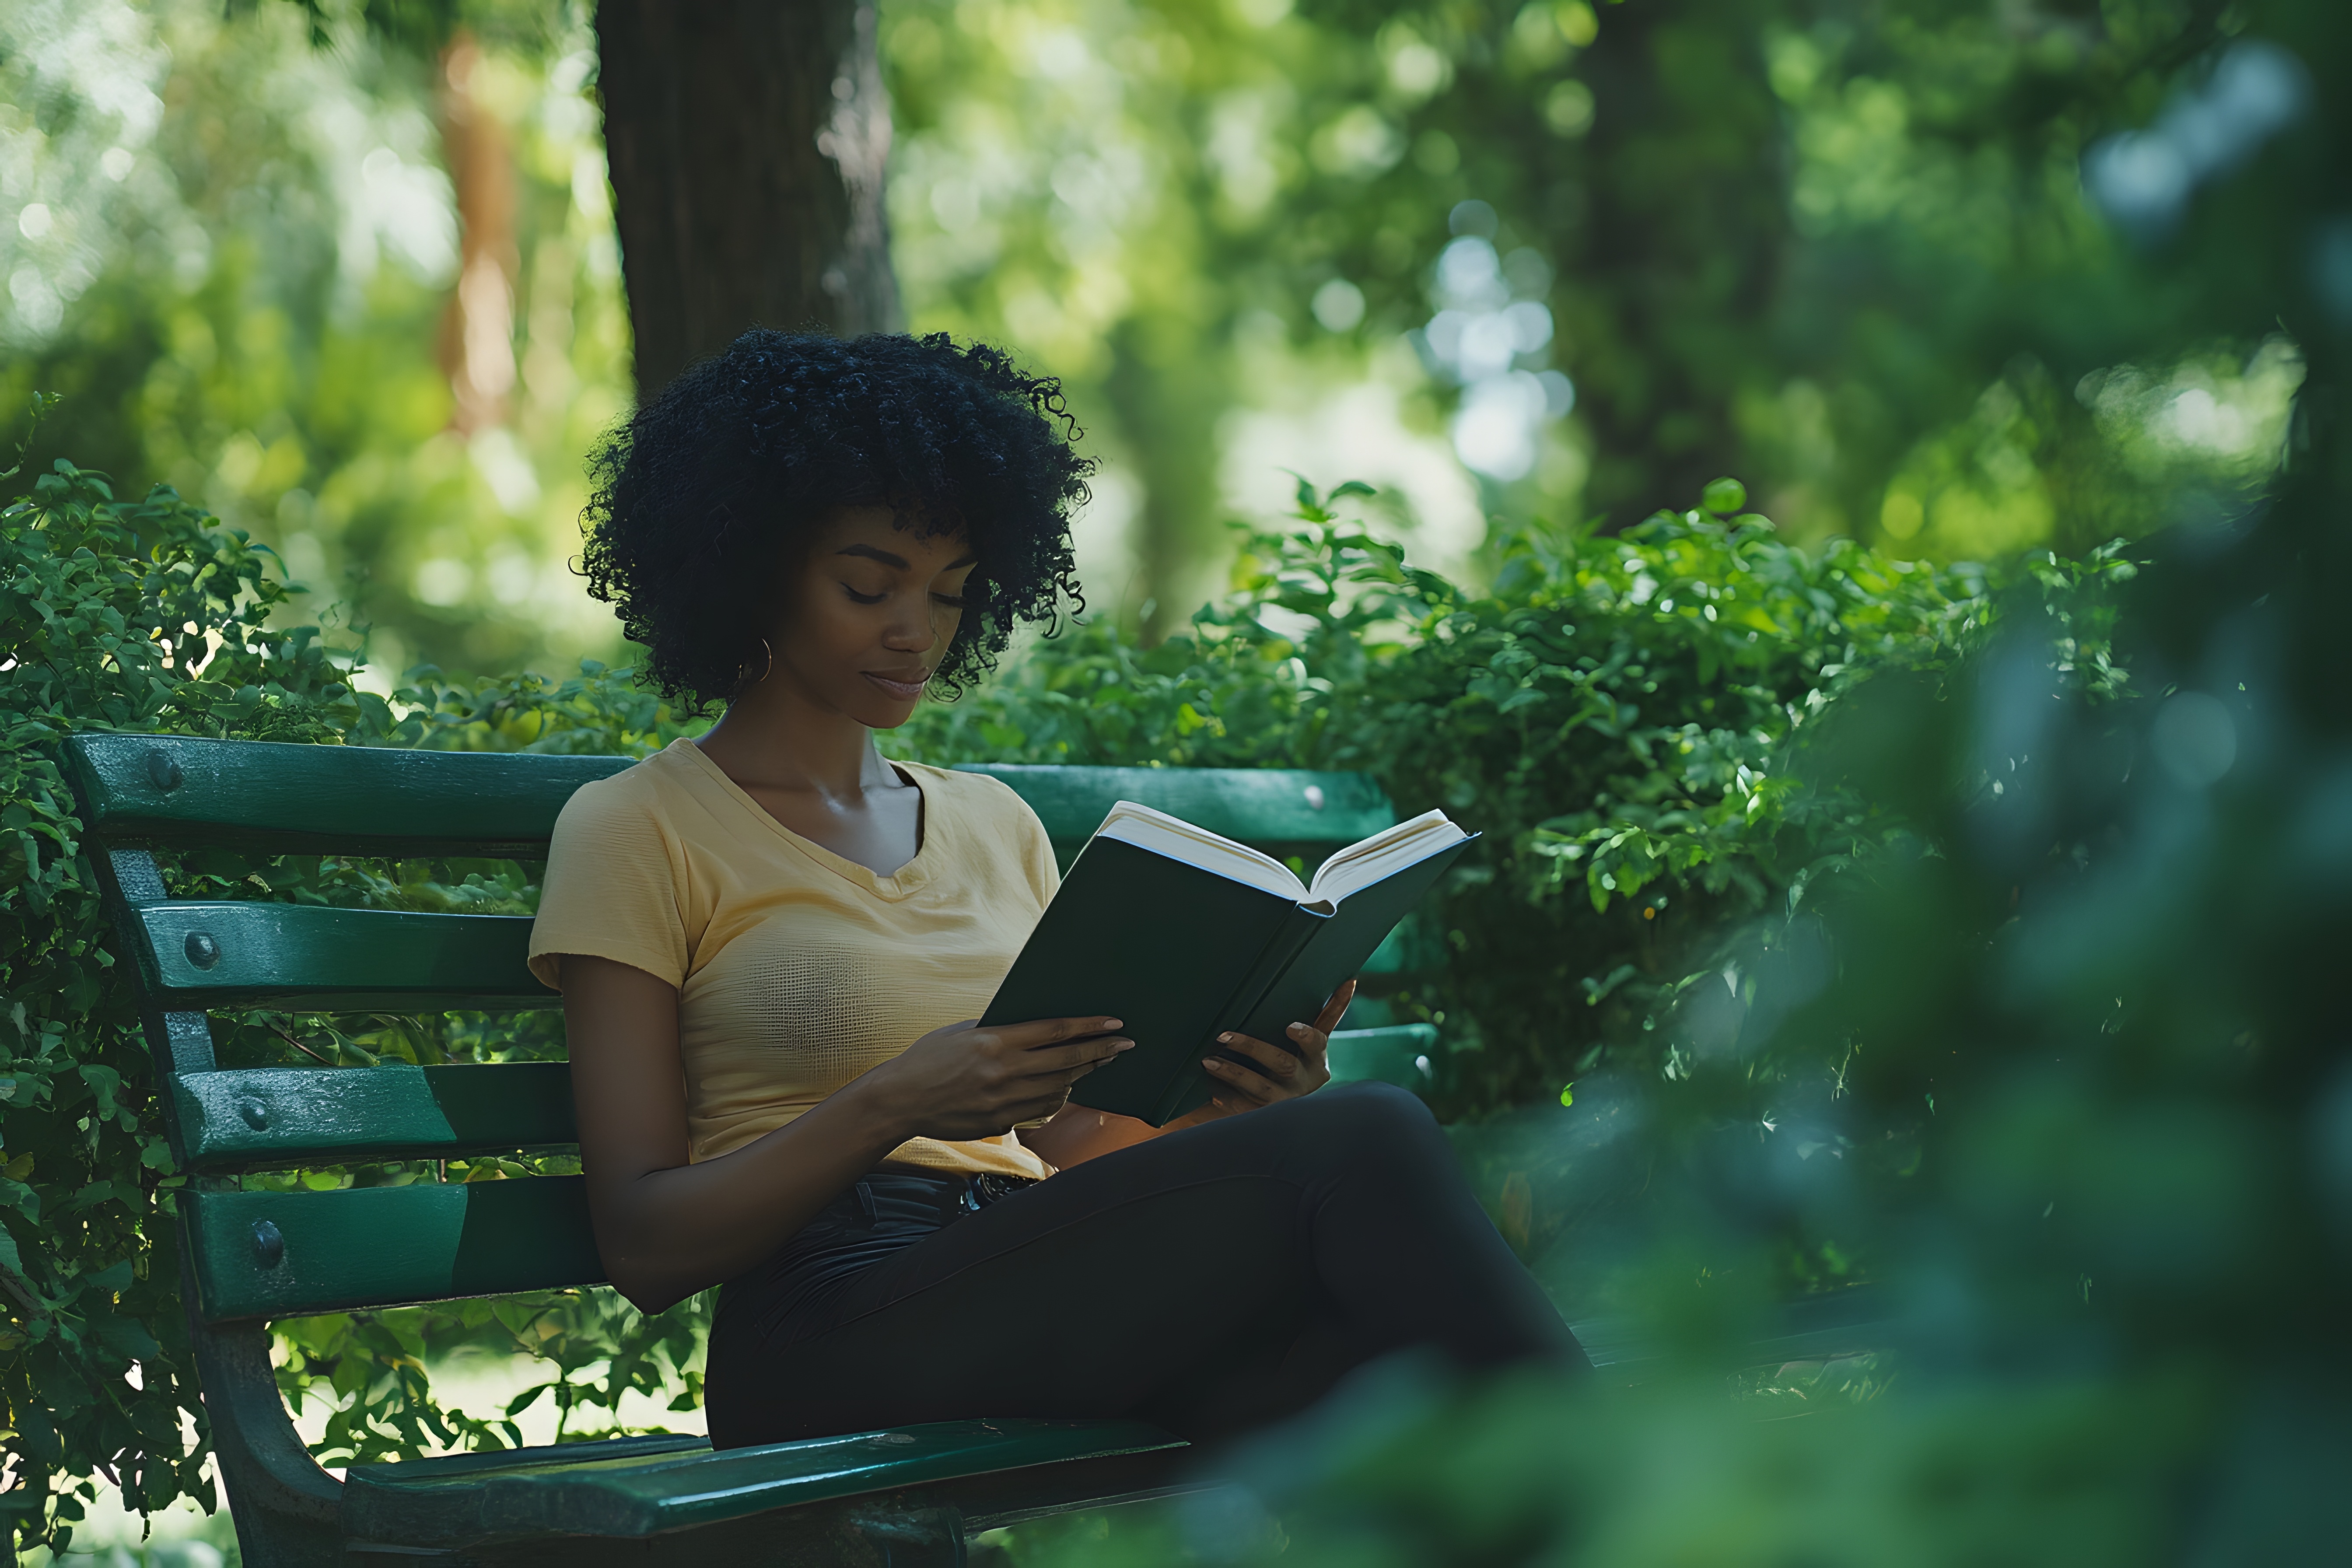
(1618,714)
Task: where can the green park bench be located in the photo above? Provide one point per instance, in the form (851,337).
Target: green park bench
(908,1496)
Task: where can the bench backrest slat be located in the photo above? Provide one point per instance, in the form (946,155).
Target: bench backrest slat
(315,959)
(252,1119)
(268,796)
(278,1255)
(1262,806)
(274,797)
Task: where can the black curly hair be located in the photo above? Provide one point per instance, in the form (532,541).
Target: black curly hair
(705,494)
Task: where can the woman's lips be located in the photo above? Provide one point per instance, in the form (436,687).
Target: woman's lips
(908,689)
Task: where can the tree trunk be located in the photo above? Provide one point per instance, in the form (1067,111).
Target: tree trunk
(478,329)
(745,140)
(1668,228)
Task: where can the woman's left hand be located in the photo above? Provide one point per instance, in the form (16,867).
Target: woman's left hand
(1283,1072)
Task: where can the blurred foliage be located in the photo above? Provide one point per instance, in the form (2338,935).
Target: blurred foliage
(2091,1120)
(1839,246)
(235,252)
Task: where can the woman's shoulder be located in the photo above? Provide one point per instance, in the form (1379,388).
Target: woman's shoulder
(648,789)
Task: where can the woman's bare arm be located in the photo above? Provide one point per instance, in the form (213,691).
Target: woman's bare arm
(666,1227)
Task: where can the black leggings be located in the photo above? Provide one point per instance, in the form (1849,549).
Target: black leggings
(1209,1280)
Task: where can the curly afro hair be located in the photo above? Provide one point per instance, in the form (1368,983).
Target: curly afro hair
(704,496)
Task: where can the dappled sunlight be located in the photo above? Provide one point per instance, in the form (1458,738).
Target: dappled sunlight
(1358,432)
(297,391)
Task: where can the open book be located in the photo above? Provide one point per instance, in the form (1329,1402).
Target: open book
(1185,935)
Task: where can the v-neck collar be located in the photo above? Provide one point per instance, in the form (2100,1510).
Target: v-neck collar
(907,879)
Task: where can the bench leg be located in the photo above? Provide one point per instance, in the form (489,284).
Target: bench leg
(284,1505)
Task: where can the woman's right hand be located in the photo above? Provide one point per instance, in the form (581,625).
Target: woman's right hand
(964,1081)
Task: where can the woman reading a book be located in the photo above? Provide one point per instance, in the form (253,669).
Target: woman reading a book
(772,945)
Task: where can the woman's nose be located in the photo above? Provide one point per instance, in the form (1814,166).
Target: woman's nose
(910,632)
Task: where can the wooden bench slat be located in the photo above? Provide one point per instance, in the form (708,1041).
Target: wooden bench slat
(243,1119)
(577,1488)
(229,954)
(285,1254)
(277,798)
(1390,1054)
(268,796)
(1255,805)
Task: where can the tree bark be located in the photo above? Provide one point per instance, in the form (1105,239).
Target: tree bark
(747,140)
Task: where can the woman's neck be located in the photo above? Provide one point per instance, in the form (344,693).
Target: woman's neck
(773,737)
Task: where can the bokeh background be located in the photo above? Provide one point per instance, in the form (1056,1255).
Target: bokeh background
(353,285)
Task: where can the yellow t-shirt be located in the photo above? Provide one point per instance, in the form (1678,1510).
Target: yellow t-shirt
(797,970)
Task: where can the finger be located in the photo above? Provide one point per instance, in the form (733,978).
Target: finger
(1043,1061)
(1071,1075)
(1337,1008)
(1308,1041)
(1055,1031)
(1250,1085)
(1040,1032)
(1273,1061)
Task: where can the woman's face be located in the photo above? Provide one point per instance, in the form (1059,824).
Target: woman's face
(869,614)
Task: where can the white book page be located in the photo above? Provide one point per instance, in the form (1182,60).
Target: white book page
(1384,854)
(1180,840)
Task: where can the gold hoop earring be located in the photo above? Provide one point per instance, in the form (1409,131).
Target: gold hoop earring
(741,681)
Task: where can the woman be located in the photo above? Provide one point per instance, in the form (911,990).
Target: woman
(772,945)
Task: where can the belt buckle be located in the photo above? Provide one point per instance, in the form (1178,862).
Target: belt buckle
(989,1187)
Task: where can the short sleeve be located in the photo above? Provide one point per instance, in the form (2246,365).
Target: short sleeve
(1037,856)
(612,889)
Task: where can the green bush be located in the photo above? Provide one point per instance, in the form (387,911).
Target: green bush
(1620,716)
(1617,714)
(106,607)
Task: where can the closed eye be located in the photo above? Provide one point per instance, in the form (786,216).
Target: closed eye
(857,598)
(950,601)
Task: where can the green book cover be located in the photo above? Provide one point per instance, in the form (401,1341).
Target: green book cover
(1185,935)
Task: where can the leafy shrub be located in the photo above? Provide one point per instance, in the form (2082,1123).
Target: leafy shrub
(146,615)
(1617,714)
(124,614)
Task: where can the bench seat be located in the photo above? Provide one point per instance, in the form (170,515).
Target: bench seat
(639,1486)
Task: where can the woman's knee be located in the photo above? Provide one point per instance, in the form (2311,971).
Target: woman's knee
(1372,1120)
